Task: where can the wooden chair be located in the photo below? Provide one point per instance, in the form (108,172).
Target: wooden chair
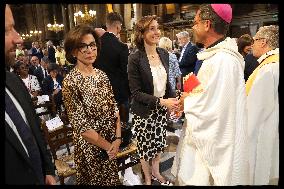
(128,152)
(56,139)
(50,107)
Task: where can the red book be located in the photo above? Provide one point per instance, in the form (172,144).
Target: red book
(190,83)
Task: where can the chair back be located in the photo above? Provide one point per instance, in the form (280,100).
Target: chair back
(61,137)
(49,106)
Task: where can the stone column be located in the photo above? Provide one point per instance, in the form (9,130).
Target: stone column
(138,11)
(116,8)
(45,20)
(101,15)
(71,15)
(64,18)
(127,16)
(39,24)
(29,17)
(160,10)
(177,11)
(151,9)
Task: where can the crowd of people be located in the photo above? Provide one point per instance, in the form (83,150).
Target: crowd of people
(230,120)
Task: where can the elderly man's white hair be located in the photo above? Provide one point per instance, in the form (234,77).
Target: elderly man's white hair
(183,34)
(49,43)
(271,34)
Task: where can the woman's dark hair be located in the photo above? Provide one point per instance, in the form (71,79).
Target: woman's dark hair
(243,41)
(142,26)
(52,67)
(74,38)
(16,66)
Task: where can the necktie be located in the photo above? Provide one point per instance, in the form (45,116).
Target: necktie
(181,54)
(26,136)
(45,73)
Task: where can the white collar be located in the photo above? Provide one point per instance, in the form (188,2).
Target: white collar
(113,34)
(271,52)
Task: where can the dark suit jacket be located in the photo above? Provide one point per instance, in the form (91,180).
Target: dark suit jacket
(48,84)
(39,74)
(113,60)
(187,62)
(31,69)
(47,89)
(141,81)
(51,54)
(39,53)
(250,64)
(18,167)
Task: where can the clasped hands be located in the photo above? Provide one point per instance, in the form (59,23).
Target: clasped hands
(174,104)
(114,148)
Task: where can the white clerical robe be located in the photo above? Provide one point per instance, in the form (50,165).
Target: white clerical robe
(263,122)
(215,139)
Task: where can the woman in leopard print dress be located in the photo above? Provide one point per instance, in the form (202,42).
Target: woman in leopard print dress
(151,96)
(92,111)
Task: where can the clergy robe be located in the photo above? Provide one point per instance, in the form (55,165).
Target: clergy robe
(214,144)
(263,119)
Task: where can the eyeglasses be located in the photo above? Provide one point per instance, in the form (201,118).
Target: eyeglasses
(258,39)
(83,47)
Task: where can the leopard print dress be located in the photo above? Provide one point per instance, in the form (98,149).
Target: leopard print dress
(90,104)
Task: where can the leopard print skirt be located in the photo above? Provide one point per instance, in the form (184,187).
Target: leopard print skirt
(150,133)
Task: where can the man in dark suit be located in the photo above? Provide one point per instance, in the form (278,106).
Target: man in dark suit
(188,56)
(34,64)
(113,59)
(51,52)
(41,72)
(27,160)
(187,59)
(250,64)
(52,84)
(36,50)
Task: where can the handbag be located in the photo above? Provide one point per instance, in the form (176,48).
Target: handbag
(126,135)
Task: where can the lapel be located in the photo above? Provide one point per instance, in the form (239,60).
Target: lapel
(187,48)
(14,84)
(146,66)
(164,59)
(42,70)
(144,62)
(49,81)
(14,141)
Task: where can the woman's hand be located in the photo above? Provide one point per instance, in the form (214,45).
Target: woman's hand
(50,180)
(114,148)
(35,93)
(56,91)
(171,103)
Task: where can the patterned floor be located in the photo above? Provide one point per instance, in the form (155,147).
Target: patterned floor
(133,176)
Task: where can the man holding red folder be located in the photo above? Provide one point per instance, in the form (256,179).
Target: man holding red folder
(213,148)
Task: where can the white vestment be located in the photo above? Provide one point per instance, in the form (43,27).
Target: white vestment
(263,123)
(215,139)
